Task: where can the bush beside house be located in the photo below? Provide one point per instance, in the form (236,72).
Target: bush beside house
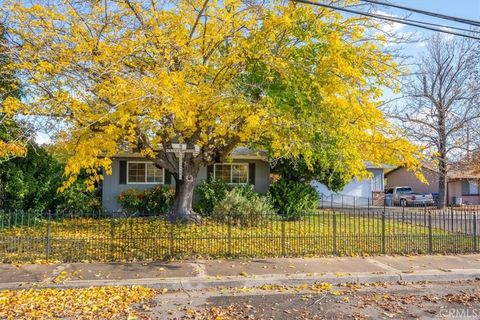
(243,209)
(293,199)
(236,204)
(158,200)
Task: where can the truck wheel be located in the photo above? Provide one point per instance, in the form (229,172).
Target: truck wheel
(403,202)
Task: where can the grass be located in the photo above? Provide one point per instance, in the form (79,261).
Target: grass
(89,239)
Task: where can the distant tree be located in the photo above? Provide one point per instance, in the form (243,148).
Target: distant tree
(442,109)
(32,182)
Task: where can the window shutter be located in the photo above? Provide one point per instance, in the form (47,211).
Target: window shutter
(123,172)
(251,173)
(168,177)
(210,172)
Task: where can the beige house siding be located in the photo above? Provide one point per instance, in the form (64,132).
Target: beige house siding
(455,190)
(471,199)
(402,177)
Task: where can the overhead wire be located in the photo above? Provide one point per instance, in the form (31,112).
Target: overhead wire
(413,23)
(425,12)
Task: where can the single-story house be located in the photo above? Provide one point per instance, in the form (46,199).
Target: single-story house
(131,170)
(463,187)
(462,182)
(369,191)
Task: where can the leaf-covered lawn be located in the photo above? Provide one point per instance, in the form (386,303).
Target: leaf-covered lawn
(89,303)
(153,238)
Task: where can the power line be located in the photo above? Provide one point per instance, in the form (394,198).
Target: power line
(388,18)
(382,16)
(424,12)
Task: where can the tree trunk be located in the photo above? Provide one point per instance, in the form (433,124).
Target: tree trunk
(182,209)
(442,157)
(442,189)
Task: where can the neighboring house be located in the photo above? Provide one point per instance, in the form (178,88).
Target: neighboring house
(364,192)
(132,171)
(402,177)
(462,186)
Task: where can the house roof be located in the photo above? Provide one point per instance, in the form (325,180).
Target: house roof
(457,170)
(369,165)
(425,165)
(463,170)
(237,153)
(461,174)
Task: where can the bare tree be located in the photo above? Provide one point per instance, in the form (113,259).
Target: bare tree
(443,103)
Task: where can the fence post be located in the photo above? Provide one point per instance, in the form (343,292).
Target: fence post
(383,232)
(331,201)
(112,239)
(334,233)
(172,238)
(475,240)
(283,236)
(430,235)
(229,238)
(48,238)
(424,217)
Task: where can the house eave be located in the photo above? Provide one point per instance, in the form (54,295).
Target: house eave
(232,156)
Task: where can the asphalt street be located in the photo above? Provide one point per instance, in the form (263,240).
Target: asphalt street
(423,300)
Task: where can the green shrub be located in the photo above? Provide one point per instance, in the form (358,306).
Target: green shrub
(293,199)
(243,208)
(77,199)
(158,200)
(211,192)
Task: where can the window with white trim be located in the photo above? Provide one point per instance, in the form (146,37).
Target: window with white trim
(235,173)
(144,172)
(377,180)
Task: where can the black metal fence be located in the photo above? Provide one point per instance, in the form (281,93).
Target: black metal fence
(30,236)
(340,201)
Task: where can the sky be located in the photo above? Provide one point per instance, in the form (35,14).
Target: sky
(469,9)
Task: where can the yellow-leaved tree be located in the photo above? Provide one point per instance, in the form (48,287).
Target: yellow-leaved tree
(207,73)
(12,138)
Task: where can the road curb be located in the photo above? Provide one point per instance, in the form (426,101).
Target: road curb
(191,283)
(449,275)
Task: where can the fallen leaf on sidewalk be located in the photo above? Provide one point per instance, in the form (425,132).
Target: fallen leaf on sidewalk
(86,303)
(61,277)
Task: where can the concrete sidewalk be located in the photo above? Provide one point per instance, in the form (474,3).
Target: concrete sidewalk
(200,274)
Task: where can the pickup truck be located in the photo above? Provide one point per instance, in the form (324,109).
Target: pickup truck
(404,196)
